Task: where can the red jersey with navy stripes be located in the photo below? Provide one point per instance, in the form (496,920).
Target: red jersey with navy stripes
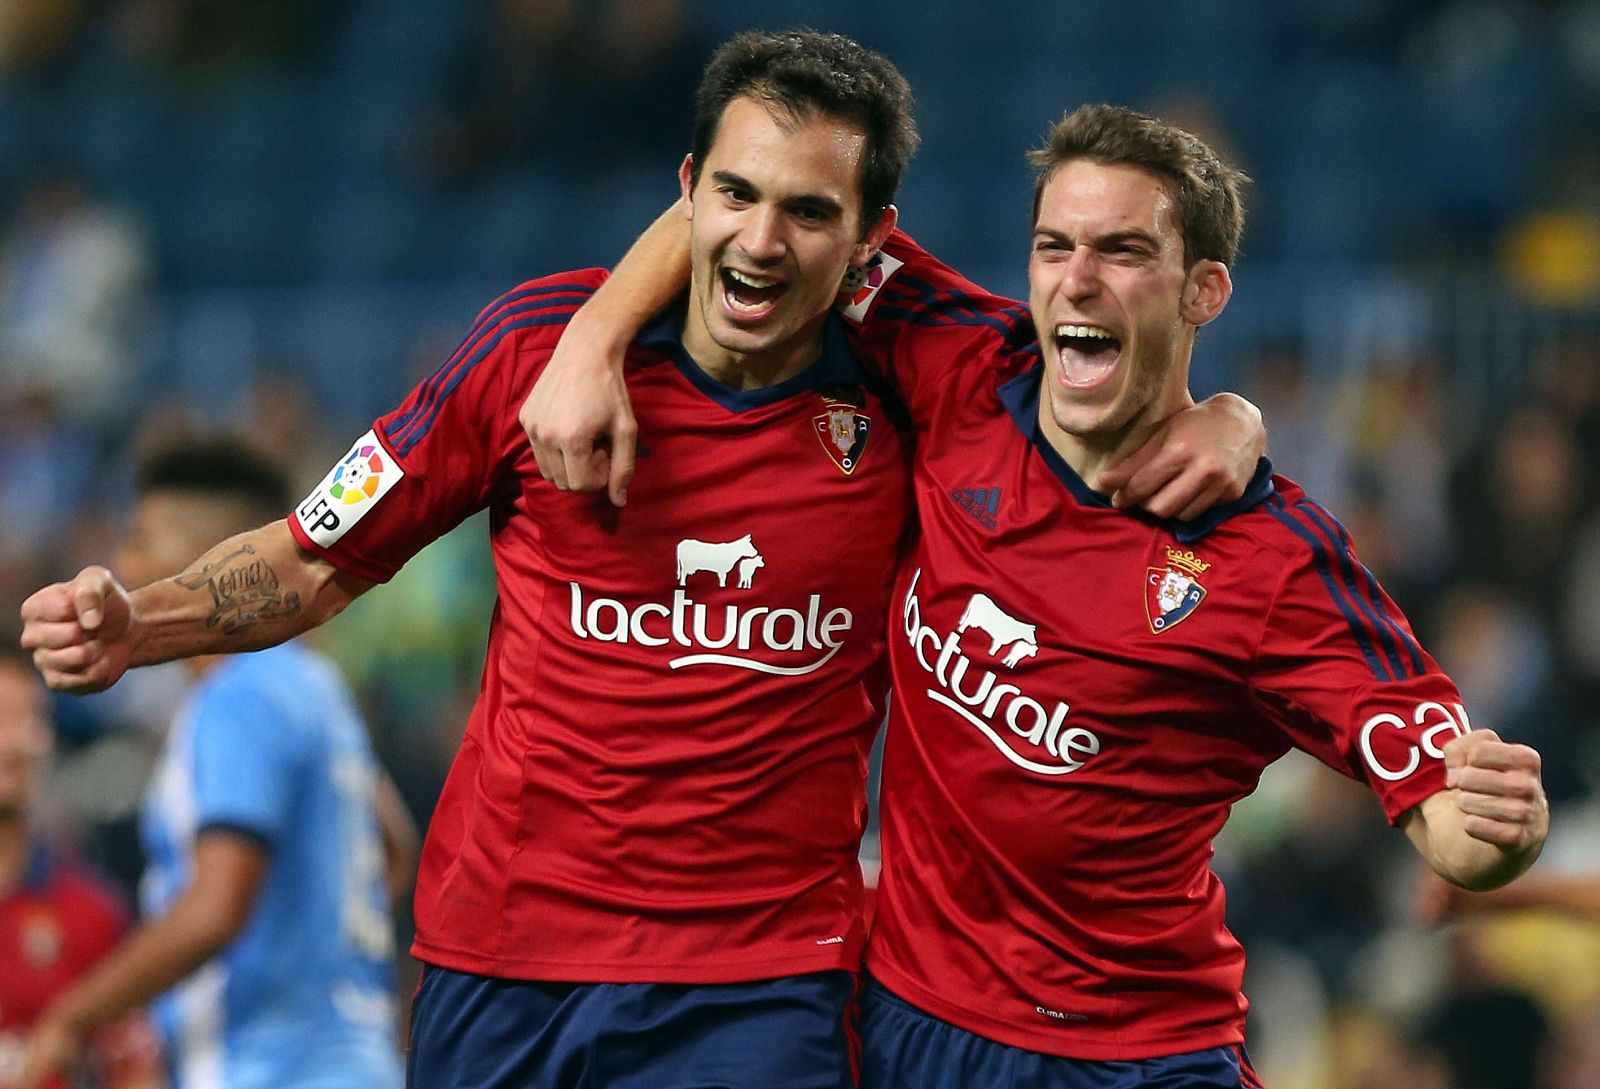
(1081,693)
(663,777)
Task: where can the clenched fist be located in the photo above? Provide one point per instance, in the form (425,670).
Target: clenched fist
(80,632)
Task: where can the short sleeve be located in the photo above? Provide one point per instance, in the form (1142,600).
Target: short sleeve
(1340,672)
(248,757)
(444,452)
(919,322)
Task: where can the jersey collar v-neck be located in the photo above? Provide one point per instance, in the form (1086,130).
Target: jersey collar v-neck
(837,365)
(1021,395)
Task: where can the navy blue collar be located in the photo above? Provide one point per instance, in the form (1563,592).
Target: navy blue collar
(836,365)
(1021,398)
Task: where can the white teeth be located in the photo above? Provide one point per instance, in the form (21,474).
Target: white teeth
(749,281)
(1093,331)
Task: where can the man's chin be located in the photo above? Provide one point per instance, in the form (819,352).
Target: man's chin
(743,340)
(1080,420)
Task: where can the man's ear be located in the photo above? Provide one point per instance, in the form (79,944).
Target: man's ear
(686,184)
(876,236)
(1205,292)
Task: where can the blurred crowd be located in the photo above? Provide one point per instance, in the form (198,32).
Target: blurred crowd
(1461,452)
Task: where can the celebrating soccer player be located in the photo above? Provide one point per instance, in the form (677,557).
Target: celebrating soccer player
(58,916)
(642,870)
(1081,693)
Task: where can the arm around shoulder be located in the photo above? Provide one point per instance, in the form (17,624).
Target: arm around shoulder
(578,416)
(1200,457)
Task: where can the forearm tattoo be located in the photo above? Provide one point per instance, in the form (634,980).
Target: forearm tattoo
(244,591)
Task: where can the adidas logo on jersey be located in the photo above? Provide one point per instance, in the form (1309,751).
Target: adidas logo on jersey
(733,631)
(983,504)
(1022,728)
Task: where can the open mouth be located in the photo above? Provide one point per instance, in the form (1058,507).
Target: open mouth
(750,295)
(1088,354)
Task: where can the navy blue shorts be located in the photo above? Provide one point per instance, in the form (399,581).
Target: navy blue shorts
(905,1048)
(479,1032)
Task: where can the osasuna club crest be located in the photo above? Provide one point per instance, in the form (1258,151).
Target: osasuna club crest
(843,431)
(1172,592)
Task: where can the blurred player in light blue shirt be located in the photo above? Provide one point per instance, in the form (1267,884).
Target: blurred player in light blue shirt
(270,749)
(269,832)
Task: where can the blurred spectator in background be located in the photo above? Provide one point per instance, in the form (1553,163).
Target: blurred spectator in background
(72,284)
(57,918)
(204,39)
(1490,1036)
(1515,501)
(1504,652)
(72,279)
(46,465)
(35,32)
(1521,1005)
(610,76)
(270,835)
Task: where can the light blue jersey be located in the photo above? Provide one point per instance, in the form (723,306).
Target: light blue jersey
(270,745)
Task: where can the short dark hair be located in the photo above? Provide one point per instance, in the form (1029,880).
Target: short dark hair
(226,466)
(1205,189)
(807,74)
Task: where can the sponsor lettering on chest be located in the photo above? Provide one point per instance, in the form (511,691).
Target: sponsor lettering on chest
(779,641)
(1031,733)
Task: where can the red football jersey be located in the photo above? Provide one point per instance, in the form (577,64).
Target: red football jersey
(54,926)
(1081,693)
(663,778)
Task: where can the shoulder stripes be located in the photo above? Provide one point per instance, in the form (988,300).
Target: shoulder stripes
(549,304)
(912,299)
(1390,650)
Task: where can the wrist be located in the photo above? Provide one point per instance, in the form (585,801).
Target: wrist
(1489,867)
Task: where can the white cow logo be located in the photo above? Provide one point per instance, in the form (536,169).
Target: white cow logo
(1002,628)
(747,570)
(719,558)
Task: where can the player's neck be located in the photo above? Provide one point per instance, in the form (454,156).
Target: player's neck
(752,370)
(1090,455)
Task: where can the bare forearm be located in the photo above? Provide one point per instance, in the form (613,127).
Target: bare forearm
(653,271)
(211,912)
(1477,866)
(157,956)
(251,591)
(400,839)
(1438,829)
